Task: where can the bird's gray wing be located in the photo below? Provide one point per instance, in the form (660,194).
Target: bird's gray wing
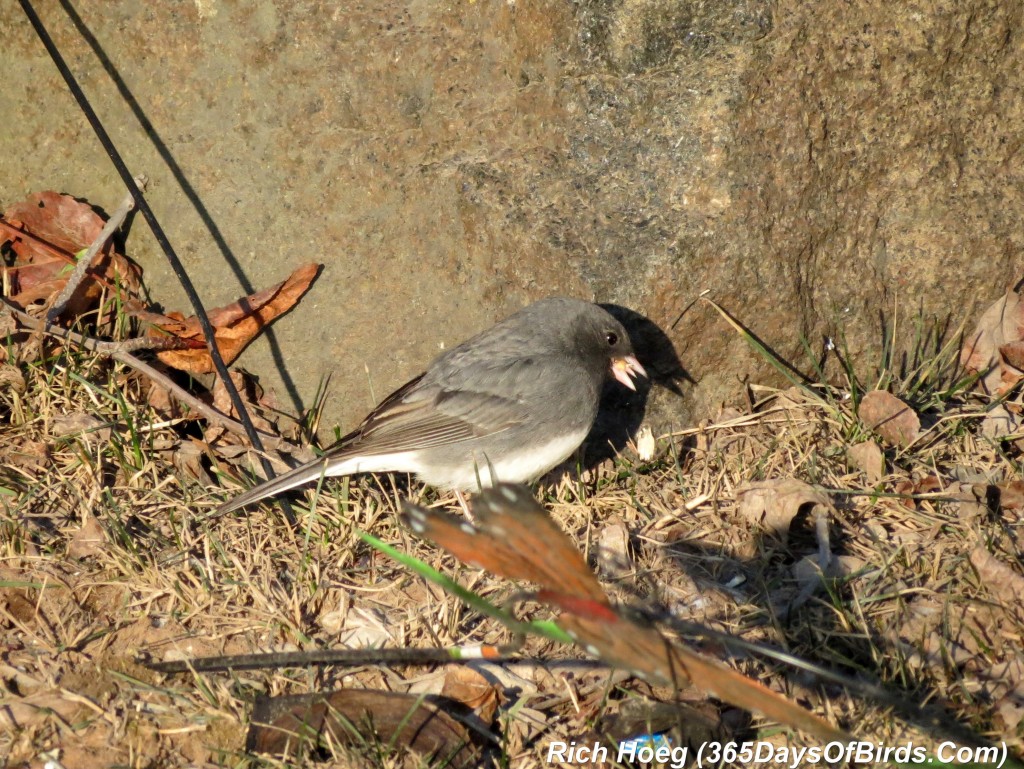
(426,413)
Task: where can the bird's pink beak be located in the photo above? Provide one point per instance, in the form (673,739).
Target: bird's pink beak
(626,369)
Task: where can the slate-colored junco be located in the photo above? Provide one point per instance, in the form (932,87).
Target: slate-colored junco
(507,405)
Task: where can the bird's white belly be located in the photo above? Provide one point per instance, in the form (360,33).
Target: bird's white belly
(480,470)
(469,472)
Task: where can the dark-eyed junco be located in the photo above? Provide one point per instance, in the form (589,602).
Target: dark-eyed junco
(507,405)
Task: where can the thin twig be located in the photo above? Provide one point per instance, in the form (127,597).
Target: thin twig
(119,351)
(113,223)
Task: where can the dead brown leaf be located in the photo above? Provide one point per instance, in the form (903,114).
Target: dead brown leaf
(890,418)
(613,546)
(45,232)
(1012,354)
(906,486)
(235,325)
(28,455)
(927,485)
(999,422)
(940,632)
(82,425)
(188,460)
(60,221)
(465,685)
(775,503)
(867,458)
(163,403)
(994,349)
(17,603)
(88,540)
(999,578)
(1011,495)
(11,378)
(222,401)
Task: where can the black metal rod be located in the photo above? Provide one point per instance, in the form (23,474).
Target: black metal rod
(161,238)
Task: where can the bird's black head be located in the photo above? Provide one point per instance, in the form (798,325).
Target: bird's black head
(601,337)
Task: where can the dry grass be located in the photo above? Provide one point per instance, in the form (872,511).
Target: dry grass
(97,488)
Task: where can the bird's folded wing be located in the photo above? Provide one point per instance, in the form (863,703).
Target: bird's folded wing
(448,417)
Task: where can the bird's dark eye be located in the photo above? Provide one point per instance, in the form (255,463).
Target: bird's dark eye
(612,338)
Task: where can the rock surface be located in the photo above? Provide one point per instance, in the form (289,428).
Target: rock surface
(820,168)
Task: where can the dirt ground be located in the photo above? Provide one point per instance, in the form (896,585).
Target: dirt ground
(785,523)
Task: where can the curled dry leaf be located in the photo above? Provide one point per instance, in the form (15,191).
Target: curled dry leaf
(1012,356)
(930,484)
(45,232)
(160,399)
(775,503)
(234,325)
(867,458)
(890,418)
(253,396)
(466,685)
(994,350)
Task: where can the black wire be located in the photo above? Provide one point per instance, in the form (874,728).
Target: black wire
(161,239)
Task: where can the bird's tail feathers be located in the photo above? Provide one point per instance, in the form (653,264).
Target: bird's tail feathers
(300,475)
